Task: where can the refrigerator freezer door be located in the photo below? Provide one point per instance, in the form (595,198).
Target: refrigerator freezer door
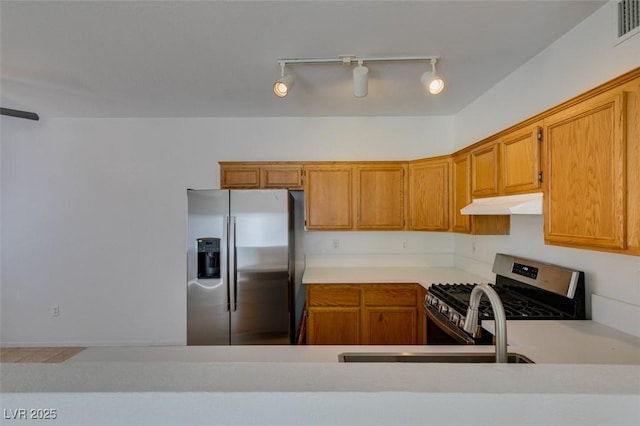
(260,311)
(207,299)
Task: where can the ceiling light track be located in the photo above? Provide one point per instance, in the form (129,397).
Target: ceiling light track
(348,59)
(429,79)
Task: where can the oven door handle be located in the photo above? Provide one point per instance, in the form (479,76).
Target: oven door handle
(445,325)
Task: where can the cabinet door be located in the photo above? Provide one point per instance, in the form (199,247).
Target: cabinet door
(390,326)
(333,326)
(328,198)
(239,176)
(333,316)
(484,171)
(584,148)
(282,176)
(429,195)
(461,192)
(521,160)
(380,197)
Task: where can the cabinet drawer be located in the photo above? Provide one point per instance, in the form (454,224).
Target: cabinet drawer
(391,295)
(333,295)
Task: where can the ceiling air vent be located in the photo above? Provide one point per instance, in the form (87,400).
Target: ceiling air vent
(628,18)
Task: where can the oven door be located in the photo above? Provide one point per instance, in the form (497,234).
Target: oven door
(441,331)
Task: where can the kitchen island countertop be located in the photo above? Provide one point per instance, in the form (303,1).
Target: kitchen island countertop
(307,385)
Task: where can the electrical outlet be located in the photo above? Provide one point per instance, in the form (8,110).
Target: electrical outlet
(335,244)
(405,244)
(473,247)
(55,312)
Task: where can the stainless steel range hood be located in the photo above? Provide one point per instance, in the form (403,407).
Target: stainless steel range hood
(506,205)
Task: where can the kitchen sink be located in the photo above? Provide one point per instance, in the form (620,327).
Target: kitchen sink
(456,358)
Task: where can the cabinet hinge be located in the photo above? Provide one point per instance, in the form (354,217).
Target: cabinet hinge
(540,177)
(540,135)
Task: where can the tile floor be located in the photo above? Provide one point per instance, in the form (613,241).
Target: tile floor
(49,354)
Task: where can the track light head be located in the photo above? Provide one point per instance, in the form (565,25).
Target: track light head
(360,81)
(284,84)
(432,81)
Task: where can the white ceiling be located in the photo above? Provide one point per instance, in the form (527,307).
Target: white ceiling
(219,58)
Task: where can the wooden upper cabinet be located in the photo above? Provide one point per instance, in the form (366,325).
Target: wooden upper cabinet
(584,157)
(429,194)
(380,196)
(520,160)
(461,165)
(246,176)
(288,176)
(484,170)
(256,175)
(328,196)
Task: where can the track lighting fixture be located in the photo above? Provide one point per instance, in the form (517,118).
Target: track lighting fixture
(360,81)
(430,79)
(284,84)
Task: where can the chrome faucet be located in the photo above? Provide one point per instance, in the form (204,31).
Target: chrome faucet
(471,322)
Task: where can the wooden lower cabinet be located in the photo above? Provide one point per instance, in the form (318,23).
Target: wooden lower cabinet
(365,314)
(389,326)
(333,326)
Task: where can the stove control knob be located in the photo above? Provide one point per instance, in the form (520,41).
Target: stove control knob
(444,309)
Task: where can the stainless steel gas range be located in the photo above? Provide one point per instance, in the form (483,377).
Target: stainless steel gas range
(529,290)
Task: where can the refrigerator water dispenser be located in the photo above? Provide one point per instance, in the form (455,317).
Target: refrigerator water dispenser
(208,257)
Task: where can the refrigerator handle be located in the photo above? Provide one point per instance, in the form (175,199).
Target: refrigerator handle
(227,225)
(233,264)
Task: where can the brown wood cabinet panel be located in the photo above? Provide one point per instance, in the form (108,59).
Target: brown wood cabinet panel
(333,295)
(429,194)
(395,294)
(390,326)
(240,176)
(585,174)
(333,326)
(633,169)
(328,197)
(380,196)
(365,314)
(461,192)
(282,176)
(521,160)
(484,171)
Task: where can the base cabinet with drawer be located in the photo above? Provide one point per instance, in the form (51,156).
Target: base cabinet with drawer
(365,314)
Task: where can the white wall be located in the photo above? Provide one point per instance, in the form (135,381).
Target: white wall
(94,212)
(577,62)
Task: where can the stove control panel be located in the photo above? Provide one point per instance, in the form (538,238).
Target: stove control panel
(525,270)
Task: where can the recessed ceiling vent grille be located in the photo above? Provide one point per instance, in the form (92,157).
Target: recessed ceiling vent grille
(628,17)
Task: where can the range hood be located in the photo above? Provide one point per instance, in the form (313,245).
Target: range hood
(506,205)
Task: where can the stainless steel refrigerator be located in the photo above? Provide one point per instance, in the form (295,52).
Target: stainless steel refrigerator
(240,267)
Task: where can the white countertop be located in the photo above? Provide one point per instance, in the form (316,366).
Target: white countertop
(574,379)
(424,276)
